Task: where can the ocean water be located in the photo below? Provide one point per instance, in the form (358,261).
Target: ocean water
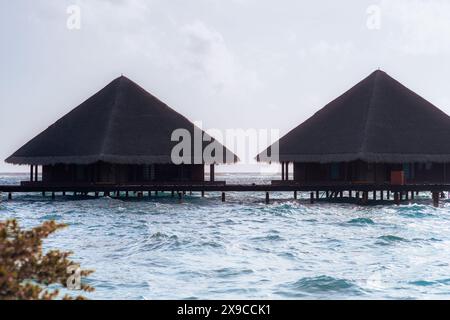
(202,248)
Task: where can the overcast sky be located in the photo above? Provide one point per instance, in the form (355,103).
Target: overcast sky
(230,64)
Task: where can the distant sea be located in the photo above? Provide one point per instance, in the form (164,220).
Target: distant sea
(202,248)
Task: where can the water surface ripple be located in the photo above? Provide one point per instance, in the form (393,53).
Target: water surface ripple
(159,248)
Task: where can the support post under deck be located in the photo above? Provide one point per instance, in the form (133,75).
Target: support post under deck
(397,198)
(211,173)
(287,171)
(435,196)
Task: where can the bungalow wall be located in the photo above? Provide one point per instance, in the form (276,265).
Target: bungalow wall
(363,172)
(122,173)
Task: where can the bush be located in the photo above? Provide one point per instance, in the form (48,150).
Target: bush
(25,271)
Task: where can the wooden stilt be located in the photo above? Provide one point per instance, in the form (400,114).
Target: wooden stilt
(412,195)
(203,193)
(223,196)
(64,193)
(53,196)
(365,197)
(327,194)
(9,195)
(211,173)
(350,194)
(43,193)
(397,198)
(31,173)
(435,196)
(295,195)
(126,194)
(96,194)
(36,173)
(381,195)
(267,198)
(317,194)
(388,194)
(282,171)
(287,171)
(311,197)
(173,194)
(374,196)
(406,195)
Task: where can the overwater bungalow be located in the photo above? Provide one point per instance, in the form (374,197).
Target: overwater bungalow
(121,135)
(378,132)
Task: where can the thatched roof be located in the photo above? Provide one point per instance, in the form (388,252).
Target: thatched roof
(378,120)
(122,123)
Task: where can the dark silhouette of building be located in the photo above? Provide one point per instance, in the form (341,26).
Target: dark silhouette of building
(120,135)
(378,132)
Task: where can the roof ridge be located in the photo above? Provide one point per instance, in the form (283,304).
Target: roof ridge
(363,147)
(107,133)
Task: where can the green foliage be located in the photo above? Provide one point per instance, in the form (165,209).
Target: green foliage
(25,271)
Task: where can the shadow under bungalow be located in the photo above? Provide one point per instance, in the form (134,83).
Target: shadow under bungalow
(379,132)
(121,135)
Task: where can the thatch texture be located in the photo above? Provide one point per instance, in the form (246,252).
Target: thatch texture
(378,120)
(122,123)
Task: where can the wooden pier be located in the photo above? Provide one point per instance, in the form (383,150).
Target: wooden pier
(359,193)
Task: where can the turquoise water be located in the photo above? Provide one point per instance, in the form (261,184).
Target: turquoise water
(202,248)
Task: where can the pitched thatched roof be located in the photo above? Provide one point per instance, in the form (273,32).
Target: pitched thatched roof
(122,123)
(378,120)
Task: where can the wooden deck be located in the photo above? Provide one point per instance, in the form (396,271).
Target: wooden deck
(363,193)
(221,186)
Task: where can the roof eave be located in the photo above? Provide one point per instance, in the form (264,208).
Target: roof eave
(367,157)
(117,159)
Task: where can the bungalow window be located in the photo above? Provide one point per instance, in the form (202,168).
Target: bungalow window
(407,171)
(146,172)
(152,172)
(334,171)
(80,173)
